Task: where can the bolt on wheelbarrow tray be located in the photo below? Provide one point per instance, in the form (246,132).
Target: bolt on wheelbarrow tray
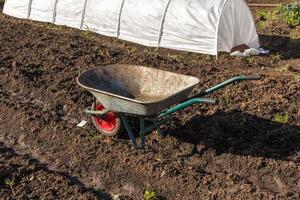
(147,93)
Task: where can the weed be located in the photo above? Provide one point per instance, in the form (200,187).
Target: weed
(132,50)
(291,13)
(10,183)
(275,58)
(297,77)
(150,195)
(96,135)
(175,57)
(226,97)
(87,31)
(295,33)
(104,53)
(268,15)
(284,68)
(228,101)
(53,27)
(251,59)
(282,119)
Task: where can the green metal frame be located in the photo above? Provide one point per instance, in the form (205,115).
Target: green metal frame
(164,118)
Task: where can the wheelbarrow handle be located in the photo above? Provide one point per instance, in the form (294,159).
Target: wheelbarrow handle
(187,103)
(228,82)
(252,77)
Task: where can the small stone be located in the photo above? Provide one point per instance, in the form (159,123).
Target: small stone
(32,167)
(73,121)
(65,108)
(31,178)
(201,148)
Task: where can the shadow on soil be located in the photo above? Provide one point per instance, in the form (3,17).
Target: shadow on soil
(242,134)
(285,46)
(1,4)
(5,173)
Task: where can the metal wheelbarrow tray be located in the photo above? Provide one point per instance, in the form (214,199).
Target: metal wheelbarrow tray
(137,90)
(149,94)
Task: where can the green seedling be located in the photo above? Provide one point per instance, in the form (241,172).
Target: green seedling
(282,119)
(228,101)
(295,33)
(297,77)
(10,183)
(291,13)
(267,17)
(251,59)
(175,57)
(276,58)
(132,50)
(104,53)
(284,68)
(87,31)
(150,195)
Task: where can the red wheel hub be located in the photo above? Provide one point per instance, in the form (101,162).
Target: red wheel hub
(106,122)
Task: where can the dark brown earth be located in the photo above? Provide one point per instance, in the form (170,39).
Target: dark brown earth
(233,150)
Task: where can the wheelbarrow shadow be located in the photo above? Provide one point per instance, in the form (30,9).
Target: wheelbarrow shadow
(243,134)
(285,46)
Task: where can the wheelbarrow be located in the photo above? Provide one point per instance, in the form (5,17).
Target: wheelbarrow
(148,94)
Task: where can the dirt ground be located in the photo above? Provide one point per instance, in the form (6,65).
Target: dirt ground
(236,149)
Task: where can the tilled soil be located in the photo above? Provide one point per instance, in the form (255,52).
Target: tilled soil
(233,150)
(23,177)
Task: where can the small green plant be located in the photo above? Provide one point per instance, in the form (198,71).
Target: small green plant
(297,77)
(282,119)
(132,50)
(104,53)
(150,195)
(87,31)
(275,58)
(291,13)
(267,15)
(175,57)
(10,183)
(251,59)
(295,35)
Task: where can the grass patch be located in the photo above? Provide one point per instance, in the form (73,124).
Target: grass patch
(282,119)
(291,13)
(150,195)
(175,57)
(267,17)
(87,32)
(10,183)
(132,50)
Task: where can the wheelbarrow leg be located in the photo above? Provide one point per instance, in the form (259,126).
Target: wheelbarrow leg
(142,131)
(129,130)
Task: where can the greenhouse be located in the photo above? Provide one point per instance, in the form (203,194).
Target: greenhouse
(206,26)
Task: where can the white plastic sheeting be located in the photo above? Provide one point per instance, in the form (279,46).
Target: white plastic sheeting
(202,26)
